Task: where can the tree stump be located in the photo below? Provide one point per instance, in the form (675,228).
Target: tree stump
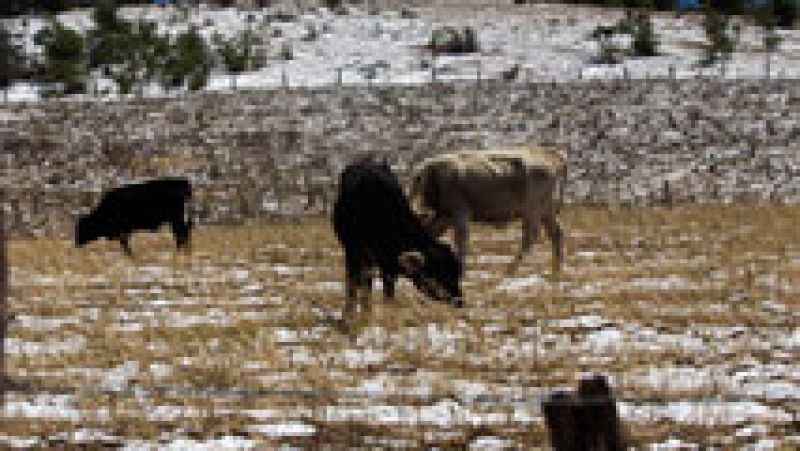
(586,420)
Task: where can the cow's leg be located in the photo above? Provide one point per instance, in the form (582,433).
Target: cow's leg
(182,233)
(365,282)
(389,281)
(353,272)
(124,241)
(530,230)
(556,234)
(461,236)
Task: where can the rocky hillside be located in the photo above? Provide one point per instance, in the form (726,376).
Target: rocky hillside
(278,152)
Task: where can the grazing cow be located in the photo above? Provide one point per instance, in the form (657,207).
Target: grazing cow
(142,206)
(493,187)
(374,223)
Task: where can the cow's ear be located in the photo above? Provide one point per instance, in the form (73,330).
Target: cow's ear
(411,261)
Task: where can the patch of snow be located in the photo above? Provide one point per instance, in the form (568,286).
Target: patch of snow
(283,429)
(171,413)
(582,321)
(469,390)
(494,259)
(516,284)
(489,442)
(160,370)
(223,442)
(42,323)
(262,414)
(17,347)
(705,413)
(671,282)
(19,442)
(356,358)
(446,413)
(672,444)
(116,379)
(605,338)
(54,407)
(329,286)
(364,41)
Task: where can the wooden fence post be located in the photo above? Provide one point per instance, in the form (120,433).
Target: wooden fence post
(584,420)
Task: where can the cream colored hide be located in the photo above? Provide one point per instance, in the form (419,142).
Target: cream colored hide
(493,187)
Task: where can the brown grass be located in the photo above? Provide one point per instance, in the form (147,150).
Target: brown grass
(251,310)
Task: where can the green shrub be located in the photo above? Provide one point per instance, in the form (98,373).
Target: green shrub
(64,57)
(785,11)
(11,60)
(644,40)
(610,53)
(238,53)
(106,19)
(452,40)
(188,61)
(287,53)
(719,34)
(129,53)
(407,13)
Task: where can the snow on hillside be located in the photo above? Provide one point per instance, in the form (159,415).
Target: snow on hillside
(548,42)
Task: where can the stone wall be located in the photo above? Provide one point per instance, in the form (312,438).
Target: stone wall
(278,152)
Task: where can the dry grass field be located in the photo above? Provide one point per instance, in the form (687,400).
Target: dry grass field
(691,311)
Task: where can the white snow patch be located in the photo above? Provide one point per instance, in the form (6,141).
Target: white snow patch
(705,413)
(55,407)
(116,379)
(224,442)
(516,284)
(19,442)
(329,286)
(671,282)
(283,429)
(16,346)
(42,323)
(582,321)
(488,442)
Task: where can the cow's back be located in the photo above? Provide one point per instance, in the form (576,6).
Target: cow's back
(143,205)
(493,186)
(372,216)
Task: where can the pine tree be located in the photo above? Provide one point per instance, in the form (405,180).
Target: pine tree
(718,32)
(644,40)
(64,57)
(238,53)
(11,61)
(189,61)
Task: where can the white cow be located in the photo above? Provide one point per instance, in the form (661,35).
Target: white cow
(493,187)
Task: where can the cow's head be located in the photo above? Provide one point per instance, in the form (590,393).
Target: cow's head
(436,272)
(85,230)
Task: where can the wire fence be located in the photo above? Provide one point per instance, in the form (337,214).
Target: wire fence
(481,74)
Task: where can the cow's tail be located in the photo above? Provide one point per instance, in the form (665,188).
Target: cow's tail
(561,180)
(425,188)
(188,206)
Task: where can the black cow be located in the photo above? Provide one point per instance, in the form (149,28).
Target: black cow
(141,206)
(374,223)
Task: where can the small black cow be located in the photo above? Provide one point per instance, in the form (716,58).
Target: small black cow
(141,206)
(374,223)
